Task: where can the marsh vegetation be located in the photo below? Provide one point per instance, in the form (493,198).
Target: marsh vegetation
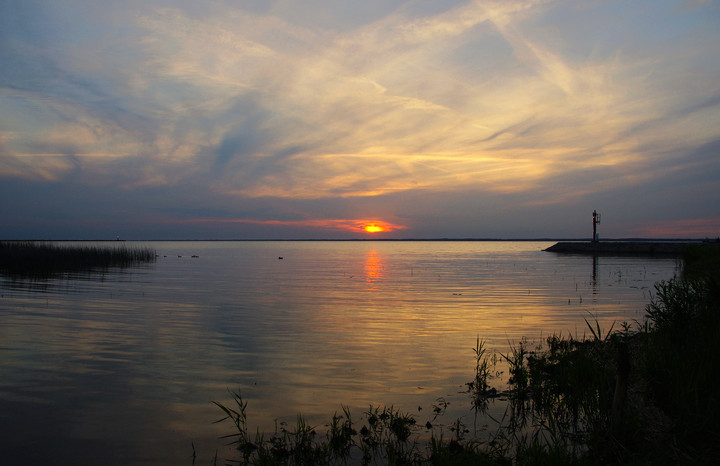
(639,393)
(42,258)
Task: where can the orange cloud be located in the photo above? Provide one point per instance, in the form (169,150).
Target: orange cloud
(687,228)
(352,225)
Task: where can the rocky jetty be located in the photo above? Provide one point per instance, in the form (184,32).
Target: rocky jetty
(644,248)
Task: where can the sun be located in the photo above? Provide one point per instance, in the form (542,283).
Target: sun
(373,228)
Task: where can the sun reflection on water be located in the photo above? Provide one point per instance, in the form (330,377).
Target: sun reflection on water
(374,267)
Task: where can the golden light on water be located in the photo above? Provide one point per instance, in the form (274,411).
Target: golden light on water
(373,266)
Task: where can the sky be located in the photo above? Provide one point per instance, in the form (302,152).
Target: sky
(160,119)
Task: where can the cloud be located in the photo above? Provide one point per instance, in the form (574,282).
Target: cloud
(685,228)
(347,225)
(239,107)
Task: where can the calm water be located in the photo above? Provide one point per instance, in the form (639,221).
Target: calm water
(120,368)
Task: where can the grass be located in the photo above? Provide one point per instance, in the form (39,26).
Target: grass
(37,258)
(681,360)
(386,437)
(479,388)
(641,394)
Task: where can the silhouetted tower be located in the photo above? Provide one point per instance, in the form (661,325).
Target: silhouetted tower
(596,220)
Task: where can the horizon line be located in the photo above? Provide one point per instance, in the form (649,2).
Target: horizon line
(467,239)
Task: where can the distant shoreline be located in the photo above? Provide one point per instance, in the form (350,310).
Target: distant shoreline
(559,240)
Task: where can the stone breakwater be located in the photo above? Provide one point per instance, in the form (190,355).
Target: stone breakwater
(652,248)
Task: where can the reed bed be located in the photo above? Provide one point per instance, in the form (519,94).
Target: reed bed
(40,258)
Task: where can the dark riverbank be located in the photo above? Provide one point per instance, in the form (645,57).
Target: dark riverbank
(651,248)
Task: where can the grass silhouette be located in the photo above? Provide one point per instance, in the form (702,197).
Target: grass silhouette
(39,258)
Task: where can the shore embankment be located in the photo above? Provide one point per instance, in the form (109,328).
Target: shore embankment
(651,248)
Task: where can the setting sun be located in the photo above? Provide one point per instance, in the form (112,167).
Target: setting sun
(373,228)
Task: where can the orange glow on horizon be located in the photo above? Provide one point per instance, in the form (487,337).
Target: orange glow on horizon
(356,225)
(373,228)
(687,228)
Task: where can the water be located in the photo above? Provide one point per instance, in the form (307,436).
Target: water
(120,368)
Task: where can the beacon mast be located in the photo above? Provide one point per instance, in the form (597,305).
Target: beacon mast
(596,220)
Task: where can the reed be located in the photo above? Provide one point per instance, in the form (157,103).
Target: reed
(38,258)
(681,359)
(632,396)
(479,388)
(387,436)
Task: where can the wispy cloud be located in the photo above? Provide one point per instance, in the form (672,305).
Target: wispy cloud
(347,225)
(552,102)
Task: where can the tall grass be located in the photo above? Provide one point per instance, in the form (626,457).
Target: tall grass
(638,395)
(386,436)
(33,258)
(682,360)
